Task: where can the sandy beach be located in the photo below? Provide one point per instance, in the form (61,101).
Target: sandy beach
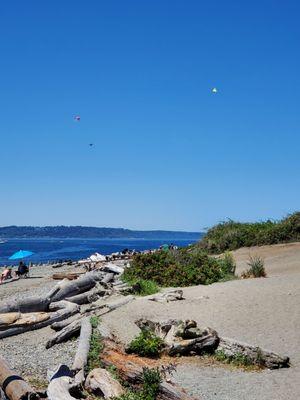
(262,312)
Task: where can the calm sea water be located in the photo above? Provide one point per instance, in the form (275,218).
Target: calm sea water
(74,249)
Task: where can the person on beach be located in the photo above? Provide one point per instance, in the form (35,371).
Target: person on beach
(6,274)
(22,269)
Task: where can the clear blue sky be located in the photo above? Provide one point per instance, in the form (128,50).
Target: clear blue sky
(167,152)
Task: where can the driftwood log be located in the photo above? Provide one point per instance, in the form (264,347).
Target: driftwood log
(14,386)
(256,355)
(108,278)
(89,296)
(113,268)
(10,320)
(83,348)
(104,307)
(166,297)
(67,275)
(58,326)
(63,310)
(66,333)
(30,304)
(100,382)
(80,285)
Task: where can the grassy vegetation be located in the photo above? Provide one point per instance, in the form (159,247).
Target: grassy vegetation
(239,360)
(143,287)
(232,235)
(257,268)
(182,267)
(146,344)
(96,346)
(150,387)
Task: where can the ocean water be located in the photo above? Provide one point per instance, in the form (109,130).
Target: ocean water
(52,249)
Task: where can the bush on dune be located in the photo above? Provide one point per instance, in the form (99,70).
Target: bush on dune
(232,235)
(256,268)
(182,267)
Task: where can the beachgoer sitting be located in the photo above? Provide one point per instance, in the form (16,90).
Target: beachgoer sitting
(6,274)
(23,270)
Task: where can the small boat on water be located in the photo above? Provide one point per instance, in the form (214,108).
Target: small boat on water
(2,241)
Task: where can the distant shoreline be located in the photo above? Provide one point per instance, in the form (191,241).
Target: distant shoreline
(85,232)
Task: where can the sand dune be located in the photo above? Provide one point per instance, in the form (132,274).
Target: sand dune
(261,311)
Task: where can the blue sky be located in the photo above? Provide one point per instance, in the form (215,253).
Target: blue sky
(167,152)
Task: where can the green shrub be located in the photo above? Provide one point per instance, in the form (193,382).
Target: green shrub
(228,263)
(231,235)
(181,267)
(257,268)
(146,344)
(151,379)
(238,359)
(143,287)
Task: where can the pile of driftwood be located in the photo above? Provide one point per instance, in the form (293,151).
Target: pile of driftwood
(68,383)
(186,338)
(74,297)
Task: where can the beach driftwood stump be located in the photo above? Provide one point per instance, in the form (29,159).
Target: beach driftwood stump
(182,337)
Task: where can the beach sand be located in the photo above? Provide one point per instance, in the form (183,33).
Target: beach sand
(263,312)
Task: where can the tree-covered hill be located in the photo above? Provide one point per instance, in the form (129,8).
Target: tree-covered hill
(91,232)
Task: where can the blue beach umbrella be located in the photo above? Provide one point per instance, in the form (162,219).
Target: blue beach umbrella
(21,254)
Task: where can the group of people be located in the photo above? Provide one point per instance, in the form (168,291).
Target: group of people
(7,273)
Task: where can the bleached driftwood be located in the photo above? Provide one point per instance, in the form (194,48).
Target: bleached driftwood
(30,304)
(81,356)
(62,310)
(19,319)
(60,385)
(67,332)
(80,285)
(116,269)
(89,296)
(100,382)
(57,326)
(108,278)
(9,318)
(182,337)
(256,355)
(165,297)
(104,307)
(13,385)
